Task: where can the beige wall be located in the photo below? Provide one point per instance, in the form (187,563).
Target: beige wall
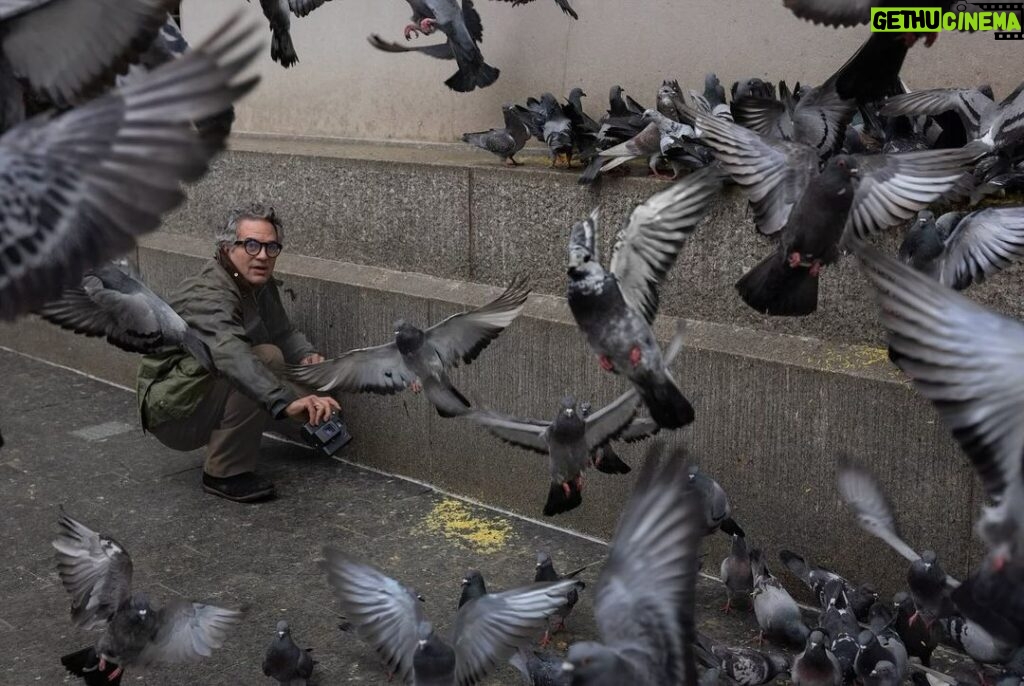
(344,88)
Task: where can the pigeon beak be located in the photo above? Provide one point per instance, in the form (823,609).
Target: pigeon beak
(142,613)
(568,667)
(465,581)
(280,634)
(854,171)
(422,642)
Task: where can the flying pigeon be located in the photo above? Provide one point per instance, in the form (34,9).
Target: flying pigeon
(816,665)
(605,459)
(966,360)
(112,303)
(736,573)
(487,630)
(419,359)
(278,14)
(644,599)
(463,29)
(562,5)
(77,188)
(777,613)
(506,142)
(546,572)
(97,572)
(817,578)
(960,248)
(615,308)
(87,43)
(285,661)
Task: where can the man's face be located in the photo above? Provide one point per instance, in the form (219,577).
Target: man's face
(255,269)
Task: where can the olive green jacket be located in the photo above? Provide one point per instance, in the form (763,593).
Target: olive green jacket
(231,316)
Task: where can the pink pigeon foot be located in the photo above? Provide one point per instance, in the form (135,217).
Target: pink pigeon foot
(113,675)
(428,26)
(606,363)
(635,355)
(816,267)
(794,260)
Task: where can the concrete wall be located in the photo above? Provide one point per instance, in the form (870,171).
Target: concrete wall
(342,87)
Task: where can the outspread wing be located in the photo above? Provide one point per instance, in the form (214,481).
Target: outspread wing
(832,12)
(378,370)
(462,337)
(649,245)
(525,433)
(983,243)
(187,632)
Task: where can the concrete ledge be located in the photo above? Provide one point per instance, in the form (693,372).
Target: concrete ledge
(456,213)
(773,411)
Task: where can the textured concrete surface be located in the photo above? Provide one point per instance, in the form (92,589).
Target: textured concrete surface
(450,213)
(774,413)
(343,87)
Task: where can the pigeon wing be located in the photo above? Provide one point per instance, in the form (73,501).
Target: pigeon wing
(530,434)
(649,245)
(380,370)
(384,612)
(95,570)
(861,491)
(983,242)
(187,632)
(462,337)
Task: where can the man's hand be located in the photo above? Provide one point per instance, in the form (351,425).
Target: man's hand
(316,409)
(312,358)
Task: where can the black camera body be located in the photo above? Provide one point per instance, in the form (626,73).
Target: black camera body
(329,437)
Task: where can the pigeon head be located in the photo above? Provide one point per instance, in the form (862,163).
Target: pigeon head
(884,671)
(713,90)
(866,639)
(473,587)
(567,406)
(668,90)
(739,547)
(139,607)
(816,640)
(543,559)
(903,603)
(576,94)
(408,338)
(589,662)
(844,167)
(923,242)
(282,629)
(928,558)
(652,116)
(433,656)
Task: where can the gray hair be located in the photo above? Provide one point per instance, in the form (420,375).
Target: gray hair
(227,235)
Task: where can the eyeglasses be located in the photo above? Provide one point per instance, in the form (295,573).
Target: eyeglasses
(254,247)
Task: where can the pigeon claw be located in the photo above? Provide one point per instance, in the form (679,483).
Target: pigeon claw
(545,639)
(103,664)
(727,608)
(416,386)
(511,162)
(579,484)
(411,30)
(816,267)
(794,260)
(428,26)
(606,363)
(116,673)
(635,355)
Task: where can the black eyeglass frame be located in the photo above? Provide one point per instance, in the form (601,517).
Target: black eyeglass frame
(273,248)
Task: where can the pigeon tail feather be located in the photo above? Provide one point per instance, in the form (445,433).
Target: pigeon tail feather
(773,288)
(667,404)
(558,502)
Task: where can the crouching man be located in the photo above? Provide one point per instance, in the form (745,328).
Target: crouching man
(234,304)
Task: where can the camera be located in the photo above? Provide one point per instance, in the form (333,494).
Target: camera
(329,437)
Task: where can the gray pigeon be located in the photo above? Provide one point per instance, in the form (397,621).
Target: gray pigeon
(419,359)
(749,667)
(97,572)
(966,360)
(568,441)
(506,142)
(88,41)
(960,249)
(777,613)
(77,188)
(546,572)
(929,590)
(920,641)
(717,509)
(285,661)
(487,630)
(837,618)
(875,665)
(605,459)
(656,139)
(817,579)
(816,665)
(882,622)
(112,303)
(645,596)
(979,644)
(549,122)
(562,5)
(712,101)
(736,573)
(615,308)
(463,29)
(539,668)
(998,125)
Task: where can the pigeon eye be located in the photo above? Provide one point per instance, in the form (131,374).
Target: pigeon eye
(586,258)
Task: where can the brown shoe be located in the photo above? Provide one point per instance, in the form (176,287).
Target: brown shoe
(247,487)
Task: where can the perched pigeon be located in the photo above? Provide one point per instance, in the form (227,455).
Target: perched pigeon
(546,572)
(568,440)
(87,43)
(615,308)
(928,588)
(645,597)
(285,661)
(816,665)
(712,101)
(960,248)
(562,5)
(486,631)
(464,30)
(717,510)
(112,303)
(504,143)
(919,638)
(966,360)
(419,359)
(817,578)
(777,613)
(78,188)
(837,618)
(736,573)
(549,122)
(980,645)
(97,572)
(882,622)
(539,668)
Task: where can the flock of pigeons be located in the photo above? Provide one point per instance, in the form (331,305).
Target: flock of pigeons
(81,181)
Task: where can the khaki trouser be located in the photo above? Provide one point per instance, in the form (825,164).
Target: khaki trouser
(229,423)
